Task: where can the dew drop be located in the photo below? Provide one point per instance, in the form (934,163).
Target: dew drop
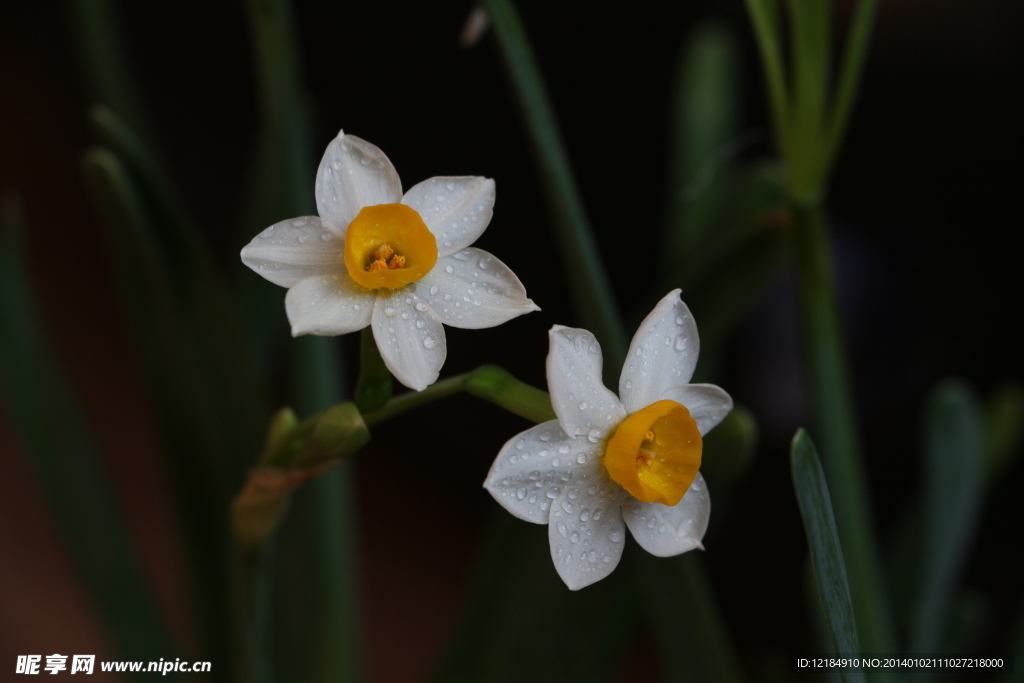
(421,307)
(594,436)
(583,405)
(390,311)
(563,449)
(429,342)
(680,343)
(615,536)
(574,537)
(449,270)
(326,236)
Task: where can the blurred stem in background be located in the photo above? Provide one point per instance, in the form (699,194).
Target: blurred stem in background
(809,127)
(68,466)
(316,598)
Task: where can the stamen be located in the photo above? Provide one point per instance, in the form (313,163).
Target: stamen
(379,264)
(397,262)
(383,252)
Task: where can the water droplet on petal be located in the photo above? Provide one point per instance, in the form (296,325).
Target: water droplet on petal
(326,236)
(429,342)
(390,311)
(421,307)
(680,343)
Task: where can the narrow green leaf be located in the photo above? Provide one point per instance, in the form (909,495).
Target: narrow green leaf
(764,16)
(704,148)
(588,282)
(826,552)
(954,480)
(850,70)
(64,456)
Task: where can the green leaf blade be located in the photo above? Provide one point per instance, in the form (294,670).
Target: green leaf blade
(826,552)
(954,482)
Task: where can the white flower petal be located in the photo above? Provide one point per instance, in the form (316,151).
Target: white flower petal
(585,407)
(472,289)
(662,355)
(457,209)
(295,249)
(410,338)
(708,404)
(354,174)
(666,531)
(328,305)
(586,530)
(534,467)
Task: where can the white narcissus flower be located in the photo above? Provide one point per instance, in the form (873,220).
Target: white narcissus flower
(610,462)
(399,263)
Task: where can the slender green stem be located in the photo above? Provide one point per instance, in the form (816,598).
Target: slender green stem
(831,404)
(848,82)
(488,382)
(764,15)
(588,280)
(810,28)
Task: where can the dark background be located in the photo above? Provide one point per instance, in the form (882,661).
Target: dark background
(927,231)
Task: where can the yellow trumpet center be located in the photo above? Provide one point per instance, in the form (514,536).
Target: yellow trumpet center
(389,246)
(655,453)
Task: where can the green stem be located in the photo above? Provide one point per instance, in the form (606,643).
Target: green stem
(588,280)
(764,15)
(488,382)
(831,404)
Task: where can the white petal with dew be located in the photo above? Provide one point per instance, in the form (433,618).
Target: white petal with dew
(586,530)
(457,209)
(708,404)
(666,531)
(328,305)
(534,467)
(662,355)
(410,338)
(296,249)
(354,173)
(472,289)
(585,407)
